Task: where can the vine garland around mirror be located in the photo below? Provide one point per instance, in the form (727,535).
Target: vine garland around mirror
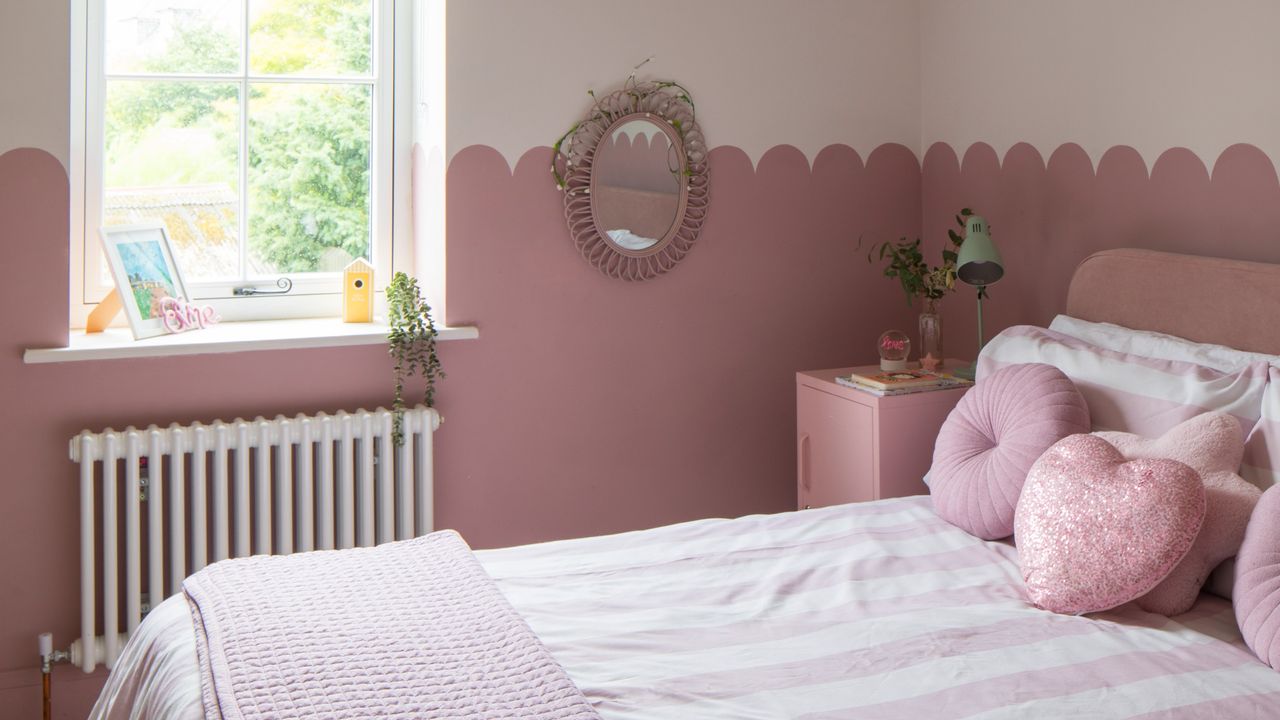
(635,179)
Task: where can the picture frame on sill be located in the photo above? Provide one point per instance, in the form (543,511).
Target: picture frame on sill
(143,267)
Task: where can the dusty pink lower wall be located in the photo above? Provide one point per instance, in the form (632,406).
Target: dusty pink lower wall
(591,405)
(587,405)
(1047,215)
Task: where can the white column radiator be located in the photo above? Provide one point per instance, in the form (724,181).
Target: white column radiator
(161,503)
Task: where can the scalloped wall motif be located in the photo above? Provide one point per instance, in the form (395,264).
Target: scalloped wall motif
(575,156)
(1049,208)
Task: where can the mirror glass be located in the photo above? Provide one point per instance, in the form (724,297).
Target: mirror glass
(635,183)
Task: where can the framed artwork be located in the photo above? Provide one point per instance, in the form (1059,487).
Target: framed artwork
(142,265)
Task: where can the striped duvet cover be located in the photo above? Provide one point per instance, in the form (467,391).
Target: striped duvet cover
(876,610)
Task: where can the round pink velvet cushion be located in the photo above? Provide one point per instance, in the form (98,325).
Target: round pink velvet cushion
(993,437)
(1256,594)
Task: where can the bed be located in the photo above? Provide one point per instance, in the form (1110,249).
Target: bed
(872,610)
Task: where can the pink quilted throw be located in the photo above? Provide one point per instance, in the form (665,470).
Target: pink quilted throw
(413,629)
(1095,531)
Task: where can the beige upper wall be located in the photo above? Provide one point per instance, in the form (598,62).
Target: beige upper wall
(763,72)
(809,73)
(1152,74)
(34,72)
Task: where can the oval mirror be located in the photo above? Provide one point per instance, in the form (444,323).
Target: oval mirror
(636,193)
(635,178)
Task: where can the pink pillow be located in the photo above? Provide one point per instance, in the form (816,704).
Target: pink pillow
(1095,531)
(1212,445)
(1256,595)
(992,438)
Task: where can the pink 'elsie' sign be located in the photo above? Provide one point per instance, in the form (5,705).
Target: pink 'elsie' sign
(181,316)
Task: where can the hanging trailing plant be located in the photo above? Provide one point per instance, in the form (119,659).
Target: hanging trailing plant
(412,345)
(907,264)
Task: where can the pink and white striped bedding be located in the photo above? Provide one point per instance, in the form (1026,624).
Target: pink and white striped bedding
(873,610)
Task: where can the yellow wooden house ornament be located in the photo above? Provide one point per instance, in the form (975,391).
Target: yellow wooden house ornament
(357,292)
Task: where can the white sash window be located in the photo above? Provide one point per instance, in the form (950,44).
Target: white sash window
(260,132)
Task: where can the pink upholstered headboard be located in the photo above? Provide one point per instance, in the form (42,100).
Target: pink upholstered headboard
(1210,300)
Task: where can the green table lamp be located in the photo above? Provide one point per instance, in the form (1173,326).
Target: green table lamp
(978,264)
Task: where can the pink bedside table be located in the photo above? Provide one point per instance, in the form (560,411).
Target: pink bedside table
(852,446)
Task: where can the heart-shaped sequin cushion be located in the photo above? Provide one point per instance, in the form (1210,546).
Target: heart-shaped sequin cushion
(1095,531)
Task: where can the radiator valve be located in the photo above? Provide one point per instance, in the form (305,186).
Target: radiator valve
(48,656)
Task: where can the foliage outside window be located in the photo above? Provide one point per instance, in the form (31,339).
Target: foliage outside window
(247,127)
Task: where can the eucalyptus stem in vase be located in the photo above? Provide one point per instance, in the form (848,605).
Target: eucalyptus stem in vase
(906,263)
(412,339)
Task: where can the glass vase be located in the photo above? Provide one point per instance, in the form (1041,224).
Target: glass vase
(931,356)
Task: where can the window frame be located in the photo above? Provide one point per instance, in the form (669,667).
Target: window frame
(313,294)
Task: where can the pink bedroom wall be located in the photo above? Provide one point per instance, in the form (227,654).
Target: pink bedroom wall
(1048,215)
(1093,124)
(587,405)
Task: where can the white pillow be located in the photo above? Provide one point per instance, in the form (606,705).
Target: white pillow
(1157,345)
(1262,447)
(1130,392)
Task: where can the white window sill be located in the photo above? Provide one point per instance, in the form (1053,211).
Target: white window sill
(118,343)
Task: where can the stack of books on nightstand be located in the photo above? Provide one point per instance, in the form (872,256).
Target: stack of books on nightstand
(873,380)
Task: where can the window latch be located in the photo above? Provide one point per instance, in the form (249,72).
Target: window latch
(284,283)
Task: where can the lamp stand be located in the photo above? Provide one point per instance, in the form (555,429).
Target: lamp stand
(970,371)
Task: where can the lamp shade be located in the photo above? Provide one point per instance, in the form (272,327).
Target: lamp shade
(979,261)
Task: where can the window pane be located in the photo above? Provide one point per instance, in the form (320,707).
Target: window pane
(309,192)
(177,36)
(170,154)
(311,37)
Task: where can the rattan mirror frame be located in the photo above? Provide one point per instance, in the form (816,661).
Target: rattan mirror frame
(663,102)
